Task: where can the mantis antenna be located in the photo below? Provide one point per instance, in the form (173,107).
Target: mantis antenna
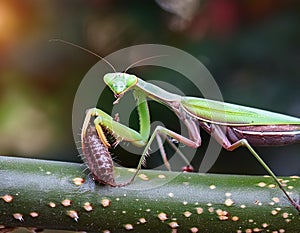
(84,49)
(97,55)
(147,58)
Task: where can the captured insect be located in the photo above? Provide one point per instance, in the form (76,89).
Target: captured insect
(231,125)
(96,141)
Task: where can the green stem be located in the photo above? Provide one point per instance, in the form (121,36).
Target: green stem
(162,199)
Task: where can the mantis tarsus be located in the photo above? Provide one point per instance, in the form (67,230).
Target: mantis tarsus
(230,125)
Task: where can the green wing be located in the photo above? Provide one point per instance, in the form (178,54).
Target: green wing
(233,114)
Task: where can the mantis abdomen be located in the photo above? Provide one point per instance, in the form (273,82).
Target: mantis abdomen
(265,135)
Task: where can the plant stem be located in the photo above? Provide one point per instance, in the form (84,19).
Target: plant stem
(156,201)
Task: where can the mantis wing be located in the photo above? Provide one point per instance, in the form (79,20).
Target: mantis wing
(232,114)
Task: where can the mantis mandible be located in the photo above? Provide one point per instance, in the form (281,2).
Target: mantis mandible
(231,125)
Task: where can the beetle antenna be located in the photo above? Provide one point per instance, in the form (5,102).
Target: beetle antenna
(147,58)
(84,49)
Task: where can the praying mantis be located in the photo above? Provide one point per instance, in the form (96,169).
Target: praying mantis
(231,125)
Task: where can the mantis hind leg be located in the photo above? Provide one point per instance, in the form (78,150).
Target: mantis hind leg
(218,133)
(245,143)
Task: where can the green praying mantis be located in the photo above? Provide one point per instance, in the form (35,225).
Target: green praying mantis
(231,125)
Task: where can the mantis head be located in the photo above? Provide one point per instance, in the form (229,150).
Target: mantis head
(120,83)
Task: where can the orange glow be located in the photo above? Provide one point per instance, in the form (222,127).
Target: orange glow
(8,22)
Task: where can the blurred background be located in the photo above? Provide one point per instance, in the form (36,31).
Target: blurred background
(251,47)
